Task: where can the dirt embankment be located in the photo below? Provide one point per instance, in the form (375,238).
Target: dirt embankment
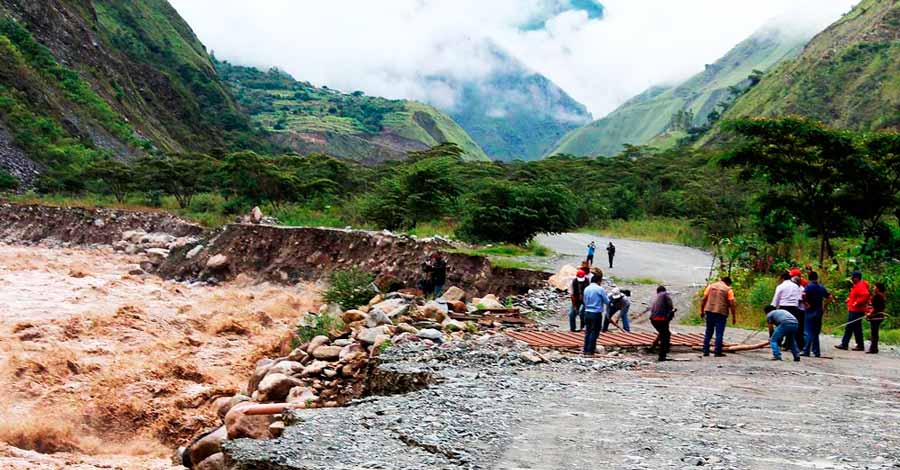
(23,223)
(288,254)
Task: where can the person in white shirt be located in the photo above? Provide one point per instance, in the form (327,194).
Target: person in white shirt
(788,296)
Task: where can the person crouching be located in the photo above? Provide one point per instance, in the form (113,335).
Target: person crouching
(782,325)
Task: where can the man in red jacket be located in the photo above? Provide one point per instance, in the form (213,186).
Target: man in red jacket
(857,302)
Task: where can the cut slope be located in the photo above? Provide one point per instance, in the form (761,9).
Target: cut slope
(651,114)
(848,76)
(306,118)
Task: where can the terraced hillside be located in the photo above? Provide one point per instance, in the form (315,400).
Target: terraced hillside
(848,75)
(306,118)
(662,114)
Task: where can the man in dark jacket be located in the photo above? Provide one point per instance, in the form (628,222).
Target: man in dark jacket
(576,294)
(611,253)
(661,314)
(436,269)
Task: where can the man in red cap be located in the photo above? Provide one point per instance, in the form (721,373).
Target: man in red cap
(577,295)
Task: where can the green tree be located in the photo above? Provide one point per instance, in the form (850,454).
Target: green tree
(181,175)
(115,177)
(257,180)
(423,189)
(500,211)
(875,182)
(801,161)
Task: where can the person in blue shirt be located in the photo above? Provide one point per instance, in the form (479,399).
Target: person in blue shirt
(595,303)
(782,325)
(816,297)
(590,256)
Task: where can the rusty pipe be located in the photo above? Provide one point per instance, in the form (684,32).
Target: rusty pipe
(268,408)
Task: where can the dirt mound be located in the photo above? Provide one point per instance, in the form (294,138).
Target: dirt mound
(289,254)
(84,226)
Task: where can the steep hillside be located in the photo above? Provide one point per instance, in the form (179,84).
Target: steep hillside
(514,113)
(661,114)
(81,79)
(848,75)
(306,118)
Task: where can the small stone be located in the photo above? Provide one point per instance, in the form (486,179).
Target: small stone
(194,252)
(327,353)
(213,462)
(407,328)
(353,316)
(315,368)
(217,261)
(431,334)
(316,343)
(276,429)
(530,356)
(377,317)
(301,395)
(453,294)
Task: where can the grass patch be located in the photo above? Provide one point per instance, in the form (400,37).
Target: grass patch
(513,264)
(646,281)
(533,248)
(655,229)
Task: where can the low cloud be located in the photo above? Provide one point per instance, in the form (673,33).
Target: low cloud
(392,48)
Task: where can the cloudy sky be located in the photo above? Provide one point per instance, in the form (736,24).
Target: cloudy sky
(384,47)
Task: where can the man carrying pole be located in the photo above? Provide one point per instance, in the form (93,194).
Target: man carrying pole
(857,302)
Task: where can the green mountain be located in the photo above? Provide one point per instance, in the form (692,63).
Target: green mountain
(514,112)
(662,114)
(82,78)
(848,75)
(306,118)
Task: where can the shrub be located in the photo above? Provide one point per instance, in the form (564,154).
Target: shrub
(501,211)
(324,323)
(8,182)
(350,288)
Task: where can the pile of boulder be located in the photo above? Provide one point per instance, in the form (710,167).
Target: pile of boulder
(336,363)
(155,245)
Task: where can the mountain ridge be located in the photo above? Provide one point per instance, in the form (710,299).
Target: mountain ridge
(654,113)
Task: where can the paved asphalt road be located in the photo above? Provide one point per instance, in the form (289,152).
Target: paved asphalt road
(671,264)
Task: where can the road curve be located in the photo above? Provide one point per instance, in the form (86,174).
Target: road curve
(670,264)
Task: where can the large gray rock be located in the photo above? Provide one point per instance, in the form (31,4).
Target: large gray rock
(275,386)
(369,335)
(432,334)
(377,317)
(393,307)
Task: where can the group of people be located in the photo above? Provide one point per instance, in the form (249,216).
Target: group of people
(795,315)
(592,248)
